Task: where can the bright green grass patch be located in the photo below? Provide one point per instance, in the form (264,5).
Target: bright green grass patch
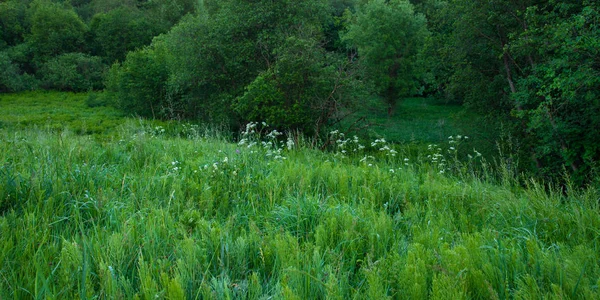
(56,111)
(146,215)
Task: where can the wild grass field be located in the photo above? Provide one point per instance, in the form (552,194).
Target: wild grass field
(175,211)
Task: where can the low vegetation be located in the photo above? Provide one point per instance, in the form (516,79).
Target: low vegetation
(175,211)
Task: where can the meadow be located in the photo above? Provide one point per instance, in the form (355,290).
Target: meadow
(96,205)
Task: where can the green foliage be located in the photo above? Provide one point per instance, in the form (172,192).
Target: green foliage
(121,30)
(13,24)
(12,79)
(472,60)
(303,90)
(139,84)
(265,57)
(388,36)
(559,100)
(169,11)
(75,72)
(527,67)
(41,36)
(55,29)
(536,61)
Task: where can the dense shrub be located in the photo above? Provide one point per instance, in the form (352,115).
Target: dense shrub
(122,30)
(76,72)
(55,30)
(139,84)
(12,79)
(304,89)
(237,63)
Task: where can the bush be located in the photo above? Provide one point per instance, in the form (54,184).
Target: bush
(139,83)
(12,79)
(305,89)
(75,72)
(55,29)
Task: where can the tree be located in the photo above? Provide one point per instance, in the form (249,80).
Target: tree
(305,88)
(388,36)
(12,78)
(55,30)
(13,25)
(121,30)
(213,56)
(559,99)
(139,84)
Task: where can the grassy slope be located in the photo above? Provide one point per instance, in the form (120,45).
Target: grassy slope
(143,213)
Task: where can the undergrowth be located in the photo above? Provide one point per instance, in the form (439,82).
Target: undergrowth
(146,214)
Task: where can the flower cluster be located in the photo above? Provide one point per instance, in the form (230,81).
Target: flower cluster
(345,145)
(436,158)
(250,136)
(221,167)
(271,143)
(175,166)
(383,146)
(157,131)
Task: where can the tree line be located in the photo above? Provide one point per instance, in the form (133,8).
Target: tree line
(309,64)
(69,45)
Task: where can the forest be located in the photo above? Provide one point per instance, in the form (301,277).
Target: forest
(532,66)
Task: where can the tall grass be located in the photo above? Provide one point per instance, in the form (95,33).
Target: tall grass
(147,214)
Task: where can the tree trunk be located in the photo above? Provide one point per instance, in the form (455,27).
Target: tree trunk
(513,88)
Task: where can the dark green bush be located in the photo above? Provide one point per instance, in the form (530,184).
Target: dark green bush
(12,79)
(75,72)
(139,84)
